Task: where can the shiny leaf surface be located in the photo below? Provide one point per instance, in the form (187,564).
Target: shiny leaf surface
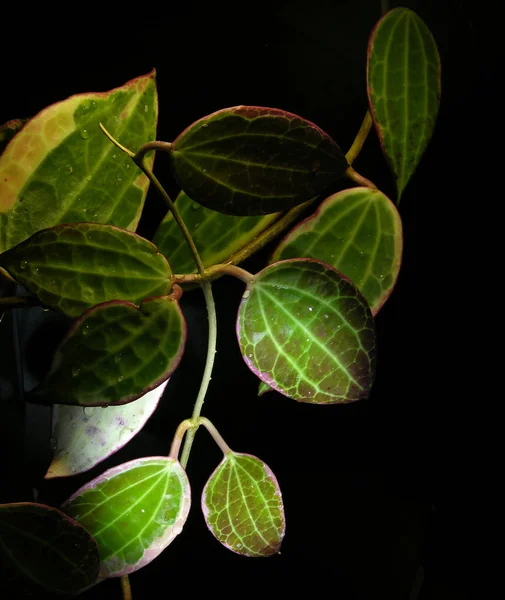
(61,168)
(357,231)
(242,505)
(251,160)
(133,511)
(73,267)
(403,82)
(307,331)
(115,353)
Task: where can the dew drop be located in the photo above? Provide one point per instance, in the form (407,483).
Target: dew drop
(85,134)
(249,355)
(118,358)
(246,294)
(310,308)
(89,410)
(23,264)
(195,206)
(381,276)
(325,316)
(120,378)
(205,125)
(75,371)
(85,329)
(146,108)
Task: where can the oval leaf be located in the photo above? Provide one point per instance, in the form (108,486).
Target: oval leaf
(251,160)
(42,547)
(242,505)
(82,438)
(73,267)
(61,168)
(307,331)
(133,511)
(216,235)
(115,353)
(403,82)
(357,231)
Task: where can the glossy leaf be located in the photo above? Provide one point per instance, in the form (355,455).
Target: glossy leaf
(61,168)
(115,353)
(242,505)
(133,511)
(251,160)
(83,437)
(307,331)
(403,82)
(216,235)
(41,548)
(8,131)
(73,267)
(359,232)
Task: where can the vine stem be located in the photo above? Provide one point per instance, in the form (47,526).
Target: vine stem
(126,588)
(360,138)
(18,302)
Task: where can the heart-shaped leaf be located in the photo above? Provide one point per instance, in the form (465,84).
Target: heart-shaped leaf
(133,511)
(83,437)
(357,231)
(42,548)
(403,82)
(216,235)
(242,505)
(251,160)
(115,353)
(73,267)
(61,168)
(308,332)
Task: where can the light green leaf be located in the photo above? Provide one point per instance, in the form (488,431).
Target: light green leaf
(61,168)
(306,331)
(242,505)
(43,550)
(133,511)
(115,353)
(73,267)
(403,81)
(83,437)
(217,236)
(359,232)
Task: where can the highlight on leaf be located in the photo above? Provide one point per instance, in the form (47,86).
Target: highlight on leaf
(403,83)
(359,232)
(133,511)
(42,550)
(73,267)
(252,160)
(307,331)
(243,508)
(60,168)
(115,353)
(82,438)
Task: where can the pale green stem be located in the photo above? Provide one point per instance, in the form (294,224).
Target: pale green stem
(359,140)
(212,272)
(216,436)
(125,587)
(359,179)
(179,434)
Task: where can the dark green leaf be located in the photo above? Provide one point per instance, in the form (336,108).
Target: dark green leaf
(403,89)
(242,505)
(133,511)
(73,267)
(115,353)
(43,549)
(357,231)
(251,160)
(216,235)
(83,438)
(61,168)
(307,331)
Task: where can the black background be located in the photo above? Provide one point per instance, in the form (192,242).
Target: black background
(373,490)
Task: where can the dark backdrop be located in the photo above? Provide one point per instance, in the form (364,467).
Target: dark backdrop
(377,492)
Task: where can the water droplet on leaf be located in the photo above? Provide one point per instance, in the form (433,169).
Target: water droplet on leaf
(85,134)
(89,410)
(23,265)
(195,206)
(120,378)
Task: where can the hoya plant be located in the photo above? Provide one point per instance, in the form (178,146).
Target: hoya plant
(73,181)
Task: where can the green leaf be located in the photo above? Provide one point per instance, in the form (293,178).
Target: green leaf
(403,81)
(73,267)
(133,511)
(115,353)
(263,388)
(251,160)
(61,168)
(82,438)
(8,131)
(359,232)
(216,235)
(307,331)
(41,547)
(242,505)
